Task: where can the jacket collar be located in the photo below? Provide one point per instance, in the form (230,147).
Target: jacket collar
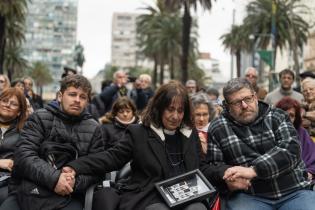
(185,130)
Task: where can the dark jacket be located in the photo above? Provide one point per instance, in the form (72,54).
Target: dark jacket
(146,148)
(141,97)
(113,132)
(51,124)
(110,94)
(8,142)
(269,144)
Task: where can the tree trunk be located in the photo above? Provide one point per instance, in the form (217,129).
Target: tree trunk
(185,43)
(162,72)
(172,67)
(155,72)
(2,42)
(238,63)
(296,66)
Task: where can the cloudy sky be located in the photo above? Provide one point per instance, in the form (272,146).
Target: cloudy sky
(94,29)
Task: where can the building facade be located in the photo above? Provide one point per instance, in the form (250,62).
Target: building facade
(51,36)
(124,47)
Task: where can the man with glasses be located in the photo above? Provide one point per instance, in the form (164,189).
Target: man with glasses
(255,142)
(252,77)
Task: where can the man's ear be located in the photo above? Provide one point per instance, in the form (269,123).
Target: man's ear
(59,96)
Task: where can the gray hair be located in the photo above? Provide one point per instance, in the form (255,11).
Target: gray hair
(235,85)
(191,82)
(202,98)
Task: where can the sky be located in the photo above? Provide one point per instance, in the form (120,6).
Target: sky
(95,21)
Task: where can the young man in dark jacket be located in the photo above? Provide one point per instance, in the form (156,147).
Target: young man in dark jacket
(258,143)
(48,139)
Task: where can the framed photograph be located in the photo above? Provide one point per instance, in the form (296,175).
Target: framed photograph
(185,188)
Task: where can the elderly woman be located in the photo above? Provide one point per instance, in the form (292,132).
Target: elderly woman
(292,107)
(308,114)
(163,146)
(203,113)
(114,123)
(4,82)
(12,118)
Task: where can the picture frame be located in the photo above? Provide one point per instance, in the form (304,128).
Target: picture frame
(185,188)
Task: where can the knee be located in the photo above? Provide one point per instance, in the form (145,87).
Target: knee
(196,206)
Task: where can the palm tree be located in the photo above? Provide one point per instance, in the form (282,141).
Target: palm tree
(291,28)
(14,62)
(41,75)
(12,20)
(237,40)
(186,27)
(159,37)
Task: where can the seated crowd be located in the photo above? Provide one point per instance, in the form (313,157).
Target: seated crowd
(255,148)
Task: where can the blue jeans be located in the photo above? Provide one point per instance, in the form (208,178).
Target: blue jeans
(299,200)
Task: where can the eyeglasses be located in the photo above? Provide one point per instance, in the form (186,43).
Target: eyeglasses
(250,76)
(11,104)
(247,100)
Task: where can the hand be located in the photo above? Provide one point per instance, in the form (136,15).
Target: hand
(68,169)
(309,176)
(238,184)
(236,172)
(6,164)
(64,186)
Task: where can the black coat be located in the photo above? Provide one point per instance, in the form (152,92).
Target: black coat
(149,163)
(8,143)
(113,132)
(51,124)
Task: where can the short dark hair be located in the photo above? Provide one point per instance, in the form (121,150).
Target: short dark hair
(286,71)
(213,91)
(77,81)
(235,85)
(162,99)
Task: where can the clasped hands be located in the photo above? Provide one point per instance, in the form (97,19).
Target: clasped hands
(239,177)
(65,182)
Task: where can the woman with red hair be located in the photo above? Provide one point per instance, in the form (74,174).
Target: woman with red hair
(293,108)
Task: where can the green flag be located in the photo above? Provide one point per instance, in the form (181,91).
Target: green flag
(266,55)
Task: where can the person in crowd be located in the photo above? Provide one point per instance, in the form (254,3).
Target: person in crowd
(191,86)
(142,92)
(166,141)
(50,138)
(253,141)
(308,112)
(68,71)
(204,113)
(115,90)
(215,99)
(19,84)
(252,76)
(4,82)
(114,123)
(293,108)
(12,118)
(286,77)
(35,100)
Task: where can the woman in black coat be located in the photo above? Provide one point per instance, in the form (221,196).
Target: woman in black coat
(114,123)
(12,117)
(163,146)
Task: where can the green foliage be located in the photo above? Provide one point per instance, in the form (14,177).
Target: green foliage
(14,63)
(12,27)
(288,15)
(41,74)
(79,57)
(109,71)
